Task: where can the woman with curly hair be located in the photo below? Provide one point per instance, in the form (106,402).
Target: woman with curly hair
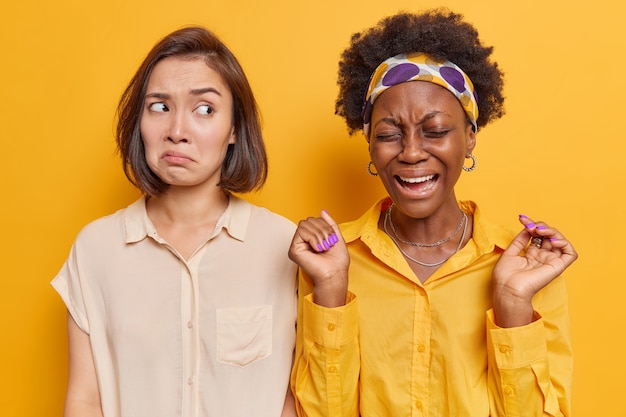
(423,307)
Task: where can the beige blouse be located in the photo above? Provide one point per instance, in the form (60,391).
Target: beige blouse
(211,336)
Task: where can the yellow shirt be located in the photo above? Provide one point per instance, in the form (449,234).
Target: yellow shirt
(209,336)
(402,348)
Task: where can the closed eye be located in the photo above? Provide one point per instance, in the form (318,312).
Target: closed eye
(434,134)
(388,136)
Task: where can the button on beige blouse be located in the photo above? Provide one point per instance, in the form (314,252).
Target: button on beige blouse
(211,336)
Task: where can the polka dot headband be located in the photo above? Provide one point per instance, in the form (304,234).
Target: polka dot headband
(420,67)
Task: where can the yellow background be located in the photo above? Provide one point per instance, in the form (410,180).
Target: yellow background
(557,155)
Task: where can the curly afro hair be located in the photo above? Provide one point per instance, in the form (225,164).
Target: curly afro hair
(440,33)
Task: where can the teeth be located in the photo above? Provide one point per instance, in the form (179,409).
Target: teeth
(418,179)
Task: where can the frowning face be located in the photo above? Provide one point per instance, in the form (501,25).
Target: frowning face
(419,139)
(187,122)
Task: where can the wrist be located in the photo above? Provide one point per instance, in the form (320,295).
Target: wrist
(512,312)
(331,294)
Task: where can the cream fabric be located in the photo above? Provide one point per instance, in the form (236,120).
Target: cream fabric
(211,336)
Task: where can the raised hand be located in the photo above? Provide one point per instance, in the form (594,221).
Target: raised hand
(319,249)
(536,256)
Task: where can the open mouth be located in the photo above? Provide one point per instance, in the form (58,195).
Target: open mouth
(418,183)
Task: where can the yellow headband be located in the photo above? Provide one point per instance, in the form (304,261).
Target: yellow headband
(420,67)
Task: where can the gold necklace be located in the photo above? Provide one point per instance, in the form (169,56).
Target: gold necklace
(426,264)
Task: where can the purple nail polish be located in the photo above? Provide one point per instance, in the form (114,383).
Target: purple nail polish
(325,244)
(319,248)
(553,239)
(529,225)
(541,227)
(334,238)
(523,216)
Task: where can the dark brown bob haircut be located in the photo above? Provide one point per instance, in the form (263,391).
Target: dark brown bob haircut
(439,33)
(245,165)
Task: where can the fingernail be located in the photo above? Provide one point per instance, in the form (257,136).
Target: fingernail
(554,239)
(325,244)
(529,225)
(334,238)
(541,227)
(320,248)
(523,216)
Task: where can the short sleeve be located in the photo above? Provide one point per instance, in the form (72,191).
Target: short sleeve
(67,284)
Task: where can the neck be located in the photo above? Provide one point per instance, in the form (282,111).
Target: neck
(184,205)
(438,228)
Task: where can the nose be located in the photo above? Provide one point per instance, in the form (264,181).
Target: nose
(413,149)
(178,128)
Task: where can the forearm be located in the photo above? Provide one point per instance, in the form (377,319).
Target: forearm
(530,367)
(289,407)
(83,394)
(333,292)
(78,408)
(326,373)
(511,311)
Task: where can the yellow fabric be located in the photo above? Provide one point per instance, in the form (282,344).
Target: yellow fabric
(402,348)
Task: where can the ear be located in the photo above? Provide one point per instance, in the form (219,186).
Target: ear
(233,136)
(471,140)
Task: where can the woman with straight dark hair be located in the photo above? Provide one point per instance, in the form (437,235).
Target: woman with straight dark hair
(181,304)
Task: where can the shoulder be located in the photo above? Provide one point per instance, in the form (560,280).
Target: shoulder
(487,231)
(262,218)
(106,229)
(101,226)
(274,219)
(366,225)
(97,239)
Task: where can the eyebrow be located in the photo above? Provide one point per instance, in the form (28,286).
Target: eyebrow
(395,121)
(200,91)
(193,92)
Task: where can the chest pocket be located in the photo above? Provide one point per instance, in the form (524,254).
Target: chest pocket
(244,335)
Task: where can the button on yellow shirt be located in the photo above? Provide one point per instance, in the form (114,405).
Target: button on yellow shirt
(403,348)
(211,336)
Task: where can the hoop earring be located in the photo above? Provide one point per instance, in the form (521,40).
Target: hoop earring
(369,169)
(473,167)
